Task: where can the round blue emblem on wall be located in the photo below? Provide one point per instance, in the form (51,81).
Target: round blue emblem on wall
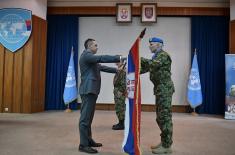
(15,27)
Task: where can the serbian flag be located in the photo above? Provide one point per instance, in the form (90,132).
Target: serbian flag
(131,142)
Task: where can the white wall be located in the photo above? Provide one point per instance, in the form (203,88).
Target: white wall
(38,7)
(116,38)
(232,10)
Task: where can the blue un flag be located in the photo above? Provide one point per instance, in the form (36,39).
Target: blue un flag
(70,89)
(194,85)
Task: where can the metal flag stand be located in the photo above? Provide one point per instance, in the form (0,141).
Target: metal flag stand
(68,110)
(194,113)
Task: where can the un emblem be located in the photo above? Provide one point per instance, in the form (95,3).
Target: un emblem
(15,27)
(194,80)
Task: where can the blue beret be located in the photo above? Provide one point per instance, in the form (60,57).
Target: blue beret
(154,39)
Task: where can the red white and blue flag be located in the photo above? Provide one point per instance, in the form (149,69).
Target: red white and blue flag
(28,24)
(131,142)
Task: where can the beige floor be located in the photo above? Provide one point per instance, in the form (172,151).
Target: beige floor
(56,133)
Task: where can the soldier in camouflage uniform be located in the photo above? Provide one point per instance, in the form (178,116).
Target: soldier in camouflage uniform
(119,83)
(160,75)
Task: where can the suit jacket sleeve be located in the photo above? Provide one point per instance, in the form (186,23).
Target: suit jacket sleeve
(108,69)
(92,58)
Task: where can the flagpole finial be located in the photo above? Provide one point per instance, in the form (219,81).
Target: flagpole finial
(142,33)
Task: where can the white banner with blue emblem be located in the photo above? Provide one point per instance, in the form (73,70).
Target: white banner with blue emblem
(15,27)
(230,86)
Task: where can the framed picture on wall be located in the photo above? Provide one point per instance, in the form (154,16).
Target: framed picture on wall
(149,12)
(124,12)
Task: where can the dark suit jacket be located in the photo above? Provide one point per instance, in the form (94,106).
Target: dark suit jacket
(90,71)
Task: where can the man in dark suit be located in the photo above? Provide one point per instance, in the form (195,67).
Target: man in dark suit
(89,90)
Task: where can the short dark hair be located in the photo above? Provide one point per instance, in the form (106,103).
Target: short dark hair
(87,42)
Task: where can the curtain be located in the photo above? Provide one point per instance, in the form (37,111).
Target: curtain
(209,35)
(62,35)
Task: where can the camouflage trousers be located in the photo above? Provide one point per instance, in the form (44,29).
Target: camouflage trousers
(120,106)
(164,118)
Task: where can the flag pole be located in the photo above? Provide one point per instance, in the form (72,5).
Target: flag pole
(68,110)
(194,94)
(132,143)
(194,113)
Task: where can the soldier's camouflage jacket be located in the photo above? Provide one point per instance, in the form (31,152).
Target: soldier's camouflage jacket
(160,73)
(119,83)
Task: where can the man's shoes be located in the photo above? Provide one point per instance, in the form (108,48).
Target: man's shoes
(94,144)
(87,149)
(156,146)
(161,150)
(119,126)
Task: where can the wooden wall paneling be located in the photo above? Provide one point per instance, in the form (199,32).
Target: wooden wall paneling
(42,73)
(192,11)
(88,10)
(232,37)
(8,81)
(2,51)
(39,64)
(162,11)
(22,73)
(27,76)
(17,81)
(36,63)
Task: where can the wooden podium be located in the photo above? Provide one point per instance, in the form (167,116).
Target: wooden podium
(23,73)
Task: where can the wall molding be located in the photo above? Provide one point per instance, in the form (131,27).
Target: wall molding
(161,11)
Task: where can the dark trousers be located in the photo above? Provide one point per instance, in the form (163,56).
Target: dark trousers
(87,114)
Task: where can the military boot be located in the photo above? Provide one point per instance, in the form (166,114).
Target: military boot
(156,146)
(162,150)
(119,126)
